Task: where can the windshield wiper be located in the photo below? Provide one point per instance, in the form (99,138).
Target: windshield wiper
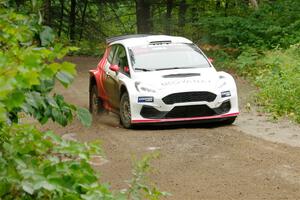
(142,69)
(159,69)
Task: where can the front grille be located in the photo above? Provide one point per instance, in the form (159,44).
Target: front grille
(190,111)
(189,97)
(185,111)
(152,113)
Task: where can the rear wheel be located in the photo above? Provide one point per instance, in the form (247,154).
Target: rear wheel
(125,112)
(95,102)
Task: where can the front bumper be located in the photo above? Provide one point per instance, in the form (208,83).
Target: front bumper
(158,111)
(150,112)
(203,119)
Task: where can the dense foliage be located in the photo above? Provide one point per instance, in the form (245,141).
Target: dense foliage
(274,24)
(28,72)
(277,74)
(35,164)
(264,23)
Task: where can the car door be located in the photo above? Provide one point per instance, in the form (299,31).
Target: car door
(106,76)
(111,83)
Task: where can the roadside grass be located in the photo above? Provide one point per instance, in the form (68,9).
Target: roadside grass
(275,72)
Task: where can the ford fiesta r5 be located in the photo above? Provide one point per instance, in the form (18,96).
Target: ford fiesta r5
(160,79)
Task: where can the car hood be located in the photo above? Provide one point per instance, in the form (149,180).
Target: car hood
(180,79)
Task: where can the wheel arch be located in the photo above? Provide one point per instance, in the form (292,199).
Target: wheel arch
(92,81)
(123,89)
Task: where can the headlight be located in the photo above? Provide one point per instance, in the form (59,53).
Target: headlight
(225,94)
(140,87)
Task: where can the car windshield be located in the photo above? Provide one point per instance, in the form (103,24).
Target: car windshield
(167,56)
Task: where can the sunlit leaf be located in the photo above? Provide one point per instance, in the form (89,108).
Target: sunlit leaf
(65,78)
(84,116)
(47,36)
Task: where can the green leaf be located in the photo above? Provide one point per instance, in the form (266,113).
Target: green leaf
(68,67)
(27,187)
(65,78)
(52,102)
(84,116)
(47,36)
(54,67)
(31,61)
(44,184)
(4,187)
(3,113)
(15,100)
(59,117)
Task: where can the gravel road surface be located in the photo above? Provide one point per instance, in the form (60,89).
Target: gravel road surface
(252,159)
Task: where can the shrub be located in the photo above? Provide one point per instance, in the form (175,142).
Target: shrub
(277,74)
(279,85)
(35,164)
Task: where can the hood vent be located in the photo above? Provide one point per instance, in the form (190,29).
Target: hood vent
(181,75)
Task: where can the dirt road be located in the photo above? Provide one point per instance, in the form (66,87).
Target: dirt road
(252,159)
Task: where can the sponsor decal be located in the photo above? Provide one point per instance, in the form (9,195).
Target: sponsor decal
(185,81)
(145,99)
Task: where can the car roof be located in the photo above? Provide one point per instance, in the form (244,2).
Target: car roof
(145,39)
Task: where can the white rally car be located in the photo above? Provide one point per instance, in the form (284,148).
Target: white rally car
(161,79)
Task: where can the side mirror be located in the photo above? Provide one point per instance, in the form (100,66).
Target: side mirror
(114,68)
(126,69)
(211,60)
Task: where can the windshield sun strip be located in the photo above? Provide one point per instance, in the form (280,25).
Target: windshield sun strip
(191,45)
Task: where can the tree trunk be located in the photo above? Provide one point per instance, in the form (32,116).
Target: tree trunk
(181,13)
(62,7)
(72,21)
(218,5)
(19,3)
(83,18)
(47,12)
(254,4)
(226,7)
(168,22)
(143,16)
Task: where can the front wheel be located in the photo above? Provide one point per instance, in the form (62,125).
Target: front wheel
(125,112)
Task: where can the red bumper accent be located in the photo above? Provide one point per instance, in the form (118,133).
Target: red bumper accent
(184,119)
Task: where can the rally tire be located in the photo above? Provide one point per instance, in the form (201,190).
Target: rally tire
(95,102)
(125,111)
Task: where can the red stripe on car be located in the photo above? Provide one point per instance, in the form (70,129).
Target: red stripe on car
(184,119)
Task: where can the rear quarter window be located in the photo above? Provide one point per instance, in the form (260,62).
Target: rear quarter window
(111,53)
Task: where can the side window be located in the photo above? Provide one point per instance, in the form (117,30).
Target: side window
(120,59)
(111,53)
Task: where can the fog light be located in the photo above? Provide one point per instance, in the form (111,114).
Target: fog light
(225,94)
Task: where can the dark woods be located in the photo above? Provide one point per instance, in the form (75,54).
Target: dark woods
(226,22)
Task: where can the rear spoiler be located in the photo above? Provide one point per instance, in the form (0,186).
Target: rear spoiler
(123,37)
